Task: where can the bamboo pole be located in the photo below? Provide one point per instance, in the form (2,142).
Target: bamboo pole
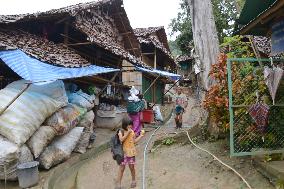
(14,99)
(151,85)
(168,90)
(155,59)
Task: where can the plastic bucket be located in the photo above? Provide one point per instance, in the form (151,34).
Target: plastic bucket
(148,116)
(28,174)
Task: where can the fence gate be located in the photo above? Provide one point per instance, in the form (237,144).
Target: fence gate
(247,87)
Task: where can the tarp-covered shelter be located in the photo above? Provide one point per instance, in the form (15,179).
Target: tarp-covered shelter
(40,73)
(96,33)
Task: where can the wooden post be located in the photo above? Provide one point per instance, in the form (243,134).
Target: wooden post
(155,58)
(66,32)
(14,99)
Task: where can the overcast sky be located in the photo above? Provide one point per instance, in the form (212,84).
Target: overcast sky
(142,13)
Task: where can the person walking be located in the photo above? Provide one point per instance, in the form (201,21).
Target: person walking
(128,139)
(137,101)
(181,104)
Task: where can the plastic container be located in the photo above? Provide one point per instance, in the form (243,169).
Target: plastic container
(148,116)
(28,174)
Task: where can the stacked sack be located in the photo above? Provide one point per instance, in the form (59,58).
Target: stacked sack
(41,125)
(84,100)
(23,118)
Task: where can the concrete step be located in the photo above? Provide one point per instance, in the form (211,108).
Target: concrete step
(273,170)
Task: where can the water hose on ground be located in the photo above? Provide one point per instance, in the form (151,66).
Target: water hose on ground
(220,161)
(244,180)
(145,155)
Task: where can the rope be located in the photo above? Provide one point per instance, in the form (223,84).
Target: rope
(144,157)
(5,176)
(244,180)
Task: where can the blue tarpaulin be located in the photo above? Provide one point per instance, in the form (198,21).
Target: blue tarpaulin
(39,72)
(159,72)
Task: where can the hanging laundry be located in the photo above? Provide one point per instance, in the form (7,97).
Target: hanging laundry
(259,113)
(272,79)
(108,89)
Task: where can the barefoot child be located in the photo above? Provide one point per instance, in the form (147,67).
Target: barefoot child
(128,139)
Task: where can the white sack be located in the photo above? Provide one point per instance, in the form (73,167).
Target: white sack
(60,149)
(42,138)
(9,155)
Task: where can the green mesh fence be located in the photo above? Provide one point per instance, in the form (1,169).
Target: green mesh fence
(247,87)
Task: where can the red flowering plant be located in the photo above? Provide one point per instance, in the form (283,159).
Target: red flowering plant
(216,100)
(245,78)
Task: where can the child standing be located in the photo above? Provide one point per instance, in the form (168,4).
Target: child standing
(128,139)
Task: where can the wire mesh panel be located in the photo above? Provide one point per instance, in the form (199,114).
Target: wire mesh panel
(256,122)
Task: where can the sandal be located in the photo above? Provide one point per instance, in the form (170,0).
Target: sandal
(133,185)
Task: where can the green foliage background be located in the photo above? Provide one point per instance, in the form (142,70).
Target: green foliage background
(225,13)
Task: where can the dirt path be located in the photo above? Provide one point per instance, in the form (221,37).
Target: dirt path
(175,167)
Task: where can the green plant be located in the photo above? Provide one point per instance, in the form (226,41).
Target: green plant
(280,184)
(246,77)
(168,141)
(216,100)
(267,158)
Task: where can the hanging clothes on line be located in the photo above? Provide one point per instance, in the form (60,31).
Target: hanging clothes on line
(272,77)
(259,113)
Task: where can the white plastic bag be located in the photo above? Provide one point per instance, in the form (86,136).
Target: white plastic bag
(60,149)
(82,99)
(157,112)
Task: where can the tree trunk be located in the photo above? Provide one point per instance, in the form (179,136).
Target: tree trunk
(205,37)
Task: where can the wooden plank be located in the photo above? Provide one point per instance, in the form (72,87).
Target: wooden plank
(155,59)
(83,43)
(66,33)
(62,20)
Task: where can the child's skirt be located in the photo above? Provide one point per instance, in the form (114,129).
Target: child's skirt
(128,160)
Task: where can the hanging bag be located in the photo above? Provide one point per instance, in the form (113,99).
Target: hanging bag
(116,148)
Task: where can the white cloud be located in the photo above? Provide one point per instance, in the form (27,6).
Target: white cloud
(142,13)
(147,13)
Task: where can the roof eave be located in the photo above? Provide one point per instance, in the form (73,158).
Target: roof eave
(262,19)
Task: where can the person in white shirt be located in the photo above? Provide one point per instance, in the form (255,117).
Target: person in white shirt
(181,103)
